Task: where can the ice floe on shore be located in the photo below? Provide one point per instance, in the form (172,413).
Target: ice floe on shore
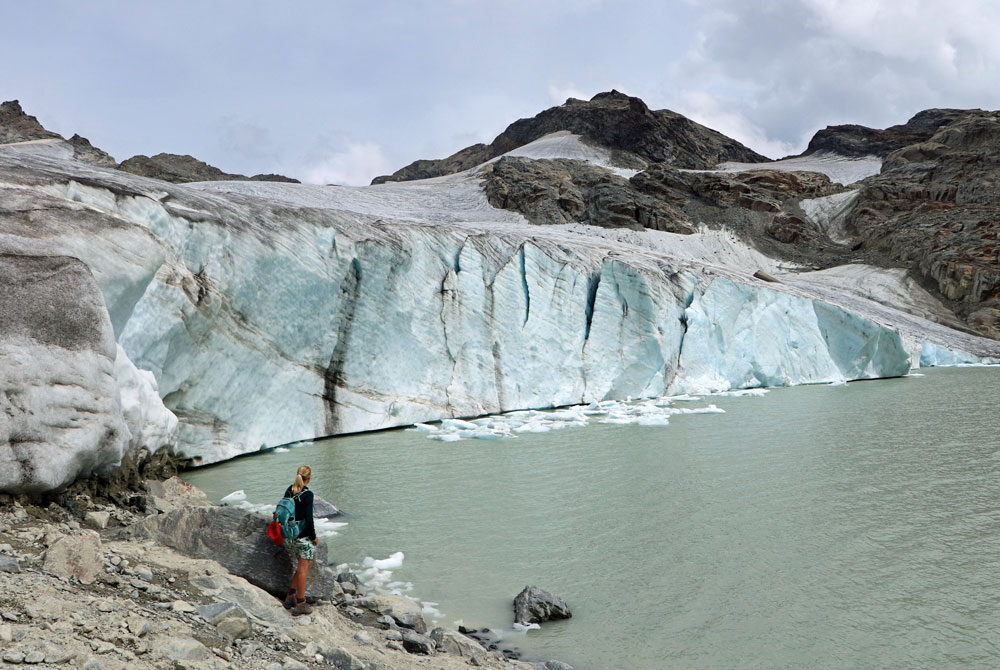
(650,412)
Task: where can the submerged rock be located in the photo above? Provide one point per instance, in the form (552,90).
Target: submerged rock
(533,605)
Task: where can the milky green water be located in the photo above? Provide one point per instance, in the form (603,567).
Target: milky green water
(853,526)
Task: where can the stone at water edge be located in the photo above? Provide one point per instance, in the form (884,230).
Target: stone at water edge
(415,643)
(453,642)
(238,540)
(404,611)
(533,605)
(77,554)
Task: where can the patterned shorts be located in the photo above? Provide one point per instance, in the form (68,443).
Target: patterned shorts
(302,548)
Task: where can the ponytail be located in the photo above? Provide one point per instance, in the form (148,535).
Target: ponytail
(304,473)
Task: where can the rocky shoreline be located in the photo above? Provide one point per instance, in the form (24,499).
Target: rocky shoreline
(84,583)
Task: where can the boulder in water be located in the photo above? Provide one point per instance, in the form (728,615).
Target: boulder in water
(533,605)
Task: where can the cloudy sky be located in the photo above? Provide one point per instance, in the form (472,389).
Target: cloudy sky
(340,91)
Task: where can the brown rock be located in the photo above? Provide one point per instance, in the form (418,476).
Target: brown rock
(78,554)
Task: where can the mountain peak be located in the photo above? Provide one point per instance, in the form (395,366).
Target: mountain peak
(635,135)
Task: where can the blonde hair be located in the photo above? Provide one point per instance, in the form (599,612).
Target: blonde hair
(303,475)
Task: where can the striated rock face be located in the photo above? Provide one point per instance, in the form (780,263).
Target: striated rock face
(16,126)
(637,136)
(178,169)
(854,140)
(935,207)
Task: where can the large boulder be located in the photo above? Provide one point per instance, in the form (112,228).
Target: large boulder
(237,539)
(533,605)
(452,642)
(78,555)
(60,413)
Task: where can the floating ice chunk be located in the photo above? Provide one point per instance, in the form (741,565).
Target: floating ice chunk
(652,420)
(280,450)
(235,497)
(484,421)
(446,437)
(424,428)
(741,393)
(392,563)
(685,398)
(327,528)
(457,424)
(534,427)
(524,628)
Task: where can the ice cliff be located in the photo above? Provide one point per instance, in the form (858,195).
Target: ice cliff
(265,313)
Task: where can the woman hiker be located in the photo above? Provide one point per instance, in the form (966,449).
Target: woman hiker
(302,548)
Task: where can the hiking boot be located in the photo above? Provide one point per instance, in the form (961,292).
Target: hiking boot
(301,608)
(289,601)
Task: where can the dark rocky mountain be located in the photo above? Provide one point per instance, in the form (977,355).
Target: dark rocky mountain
(935,207)
(636,135)
(853,140)
(16,126)
(180,169)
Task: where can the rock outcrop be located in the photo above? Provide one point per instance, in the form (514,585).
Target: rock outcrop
(636,135)
(237,540)
(566,191)
(180,169)
(16,126)
(84,151)
(855,140)
(935,208)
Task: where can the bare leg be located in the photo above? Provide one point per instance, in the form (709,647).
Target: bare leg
(299,579)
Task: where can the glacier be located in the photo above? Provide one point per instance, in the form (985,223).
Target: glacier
(253,314)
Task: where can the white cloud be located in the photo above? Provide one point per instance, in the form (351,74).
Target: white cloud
(356,165)
(791,67)
(558,94)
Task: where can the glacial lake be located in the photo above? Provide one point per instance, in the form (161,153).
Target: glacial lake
(852,526)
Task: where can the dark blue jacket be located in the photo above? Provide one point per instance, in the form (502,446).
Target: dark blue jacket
(304,511)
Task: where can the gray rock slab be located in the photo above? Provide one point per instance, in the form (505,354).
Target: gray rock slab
(238,540)
(9,564)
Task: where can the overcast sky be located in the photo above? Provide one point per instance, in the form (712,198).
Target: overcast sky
(344,91)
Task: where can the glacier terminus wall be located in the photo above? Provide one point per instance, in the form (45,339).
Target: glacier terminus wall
(263,314)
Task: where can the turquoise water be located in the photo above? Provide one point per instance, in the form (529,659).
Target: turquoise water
(851,526)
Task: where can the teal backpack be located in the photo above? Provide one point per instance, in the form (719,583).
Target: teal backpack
(284,517)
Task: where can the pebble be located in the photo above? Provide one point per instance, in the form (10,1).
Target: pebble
(292,664)
(92,664)
(182,606)
(393,635)
(6,633)
(116,560)
(144,573)
(34,657)
(9,616)
(363,637)
(14,657)
(105,606)
(394,644)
